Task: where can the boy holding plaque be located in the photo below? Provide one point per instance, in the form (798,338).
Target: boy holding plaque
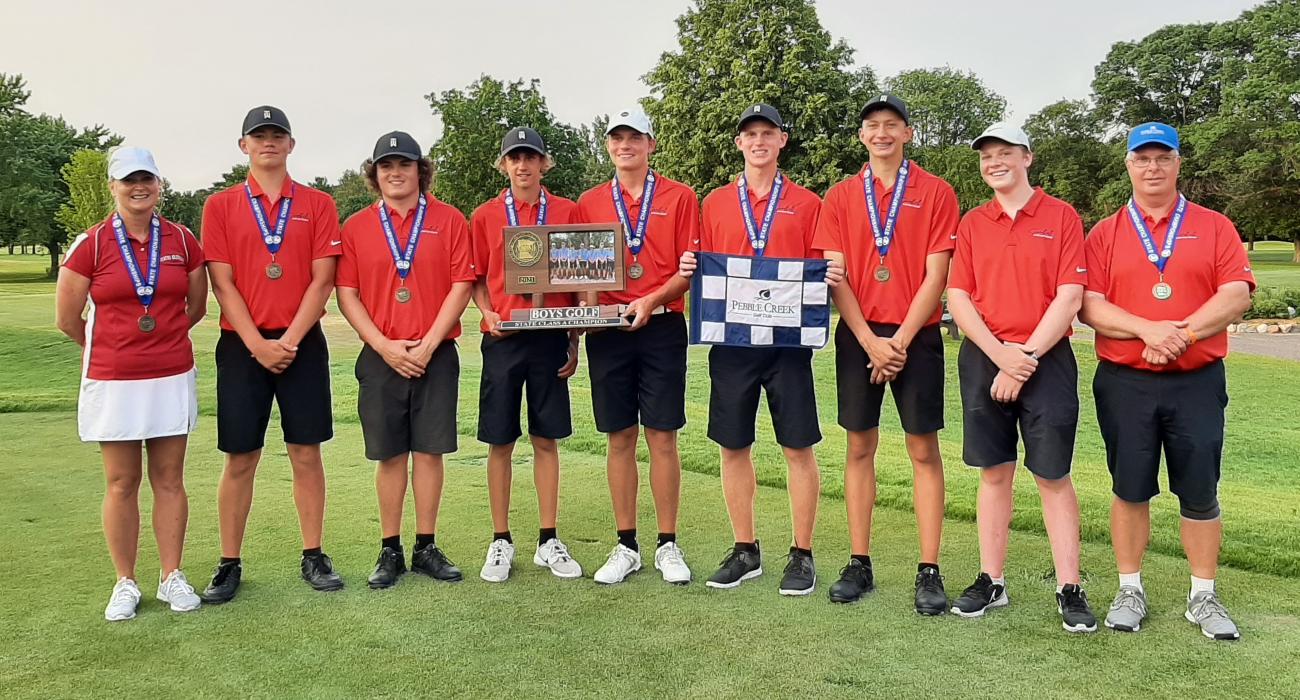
(272,246)
(1165,278)
(638,373)
(403,281)
(763,213)
(538,361)
(892,226)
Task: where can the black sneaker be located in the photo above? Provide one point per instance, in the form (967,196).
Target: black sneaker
(431,562)
(389,568)
(800,576)
(318,572)
(1076,614)
(225,582)
(855,581)
(980,596)
(739,565)
(931,599)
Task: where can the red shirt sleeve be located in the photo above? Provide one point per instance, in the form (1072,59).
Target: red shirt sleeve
(1072,268)
(1231,262)
(810,231)
(479,246)
(345,275)
(943,223)
(688,222)
(962,274)
(214,231)
(194,255)
(829,226)
(462,251)
(326,239)
(1097,257)
(704,242)
(80,257)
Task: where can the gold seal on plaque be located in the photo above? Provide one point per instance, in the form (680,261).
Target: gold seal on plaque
(525,249)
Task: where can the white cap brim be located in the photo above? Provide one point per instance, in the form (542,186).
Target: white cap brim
(124,161)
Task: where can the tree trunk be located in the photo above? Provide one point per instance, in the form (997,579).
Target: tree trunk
(1250,241)
(54,249)
(1295,257)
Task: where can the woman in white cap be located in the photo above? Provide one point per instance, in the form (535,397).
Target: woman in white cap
(144,279)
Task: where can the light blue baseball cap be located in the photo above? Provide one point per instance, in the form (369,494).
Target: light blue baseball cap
(1152,132)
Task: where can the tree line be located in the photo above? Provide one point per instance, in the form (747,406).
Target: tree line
(1232,88)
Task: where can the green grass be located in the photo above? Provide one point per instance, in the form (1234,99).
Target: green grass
(539,636)
(1271,261)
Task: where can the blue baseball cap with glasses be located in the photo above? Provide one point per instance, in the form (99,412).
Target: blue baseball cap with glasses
(1153,132)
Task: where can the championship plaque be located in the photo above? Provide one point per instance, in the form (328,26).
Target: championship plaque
(581,258)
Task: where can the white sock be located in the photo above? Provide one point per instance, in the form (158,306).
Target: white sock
(1001,581)
(1200,585)
(1134,580)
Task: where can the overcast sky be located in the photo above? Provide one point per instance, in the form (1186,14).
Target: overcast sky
(177,77)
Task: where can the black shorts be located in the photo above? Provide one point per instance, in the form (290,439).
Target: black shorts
(1047,412)
(1142,412)
(917,390)
(639,376)
(245,390)
(400,415)
(526,359)
(737,374)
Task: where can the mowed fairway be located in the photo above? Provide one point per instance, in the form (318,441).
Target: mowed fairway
(538,636)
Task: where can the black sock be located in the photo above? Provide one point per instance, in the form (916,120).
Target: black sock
(666,537)
(865,559)
(801,550)
(926,565)
(229,560)
(502,536)
(751,547)
(627,538)
(544,534)
(395,542)
(314,551)
(423,540)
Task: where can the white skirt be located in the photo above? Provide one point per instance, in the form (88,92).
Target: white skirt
(137,409)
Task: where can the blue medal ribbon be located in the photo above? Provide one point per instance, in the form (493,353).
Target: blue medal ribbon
(635,237)
(144,287)
(1171,237)
(513,216)
(403,260)
(884,235)
(758,236)
(272,239)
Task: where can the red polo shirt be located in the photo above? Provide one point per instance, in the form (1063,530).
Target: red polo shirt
(673,229)
(927,223)
(486,224)
(793,225)
(116,348)
(444,256)
(1012,267)
(1207,255)
(231,236)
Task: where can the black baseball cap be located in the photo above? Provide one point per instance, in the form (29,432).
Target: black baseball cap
(396,143)
(522,137)
(887,100)
(760,111)
(266,115)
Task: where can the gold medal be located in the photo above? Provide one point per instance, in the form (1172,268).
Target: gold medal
(147,323)
(403,295)
(274,271)
(635,271)
(882,274)
(1162,291)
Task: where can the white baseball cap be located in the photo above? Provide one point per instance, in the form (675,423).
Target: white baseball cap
(124,161)
(1003,131)
(633,118)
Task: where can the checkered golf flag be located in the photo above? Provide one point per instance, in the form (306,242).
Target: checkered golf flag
(759,302)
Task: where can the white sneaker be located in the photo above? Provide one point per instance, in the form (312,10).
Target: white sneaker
(178,592)
(670,562)
(622,562)
(553,555)
(500,556)
(124,601)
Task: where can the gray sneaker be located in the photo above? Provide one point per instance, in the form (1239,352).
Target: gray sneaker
(1204,609)
(1128,611)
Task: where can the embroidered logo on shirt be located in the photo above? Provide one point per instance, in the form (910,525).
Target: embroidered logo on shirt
(785,211)
(1043,234)
(172,259)
(914,205)
(300,218)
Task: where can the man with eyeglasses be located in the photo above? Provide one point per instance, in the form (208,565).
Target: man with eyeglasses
(1165,277)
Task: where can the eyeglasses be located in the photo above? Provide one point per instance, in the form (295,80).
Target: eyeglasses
(1163,161)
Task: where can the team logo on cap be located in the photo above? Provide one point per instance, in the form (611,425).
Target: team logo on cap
(392,142)
(266,114)
(882,98)
(758,108)
(522,135)
(1153,129)
(622,114)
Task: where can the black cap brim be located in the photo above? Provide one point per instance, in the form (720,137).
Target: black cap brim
(877,106)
